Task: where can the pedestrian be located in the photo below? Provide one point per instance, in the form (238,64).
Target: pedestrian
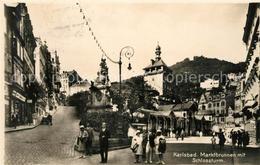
(144,142)
(160,146)
(213,141)
(137,146)
(82,138)
(177,134)
(150,147)
(246,139)
(200,133)
(222,139)
(239,139)
(89,142)
(49,118)
(233,138)
(14,120)
(103,142)
(182,134)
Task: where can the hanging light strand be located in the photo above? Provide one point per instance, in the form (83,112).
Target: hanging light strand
(94,36)
(98,43)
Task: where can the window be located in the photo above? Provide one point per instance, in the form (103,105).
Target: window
(217,111)
(210,118)
(209,105)
(210,98)
(217,104)
(222,111)
(203,107)
(222,103)
(222,119)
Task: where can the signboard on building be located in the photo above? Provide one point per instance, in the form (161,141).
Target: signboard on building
(18,96)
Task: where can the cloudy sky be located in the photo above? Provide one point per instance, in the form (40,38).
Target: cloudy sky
(183,30)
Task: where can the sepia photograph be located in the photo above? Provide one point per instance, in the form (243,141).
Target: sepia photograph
(130,82)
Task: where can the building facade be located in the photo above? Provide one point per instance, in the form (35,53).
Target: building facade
(251,88)
(19,65)
(67,79)
(40,71)
(209,84)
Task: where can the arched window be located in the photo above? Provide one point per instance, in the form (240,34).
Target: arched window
(209,105)
(222,103)
(203,107)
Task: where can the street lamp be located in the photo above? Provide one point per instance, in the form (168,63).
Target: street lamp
(128,52)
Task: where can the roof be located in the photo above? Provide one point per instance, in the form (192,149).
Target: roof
(81,83)
(162,113)
(157,63)
(183,106)
(165,107)
(143,110)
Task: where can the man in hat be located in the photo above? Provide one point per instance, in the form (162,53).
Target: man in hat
(103,142)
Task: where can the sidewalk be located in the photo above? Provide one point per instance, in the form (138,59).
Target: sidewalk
(202,140)
(26,127)
(20,128)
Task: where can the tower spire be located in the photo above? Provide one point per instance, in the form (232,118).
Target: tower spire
(158,51)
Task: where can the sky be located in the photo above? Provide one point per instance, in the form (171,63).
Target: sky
(183,30)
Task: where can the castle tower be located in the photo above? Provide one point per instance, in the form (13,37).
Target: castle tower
(156,73)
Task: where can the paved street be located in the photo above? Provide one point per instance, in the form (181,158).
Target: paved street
(43,144)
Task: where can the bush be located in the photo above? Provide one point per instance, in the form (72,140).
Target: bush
(116,122)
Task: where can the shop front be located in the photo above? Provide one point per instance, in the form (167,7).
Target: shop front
(18,107)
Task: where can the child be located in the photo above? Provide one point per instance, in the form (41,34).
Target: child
(160,146)
(213,141)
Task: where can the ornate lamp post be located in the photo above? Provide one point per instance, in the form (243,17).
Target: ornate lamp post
(128,52)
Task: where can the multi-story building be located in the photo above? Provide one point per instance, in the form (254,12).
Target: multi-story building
(19,64)
(251,89)
(158,75)
(40,71)
(215,103)
(67,79)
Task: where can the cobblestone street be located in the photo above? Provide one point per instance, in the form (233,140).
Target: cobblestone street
(44,144)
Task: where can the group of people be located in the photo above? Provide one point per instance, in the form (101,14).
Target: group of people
(239,138)
(147,143)
(86,137)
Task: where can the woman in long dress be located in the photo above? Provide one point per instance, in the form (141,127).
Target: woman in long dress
(137,146)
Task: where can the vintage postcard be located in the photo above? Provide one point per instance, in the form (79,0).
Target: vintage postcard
(131,82)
